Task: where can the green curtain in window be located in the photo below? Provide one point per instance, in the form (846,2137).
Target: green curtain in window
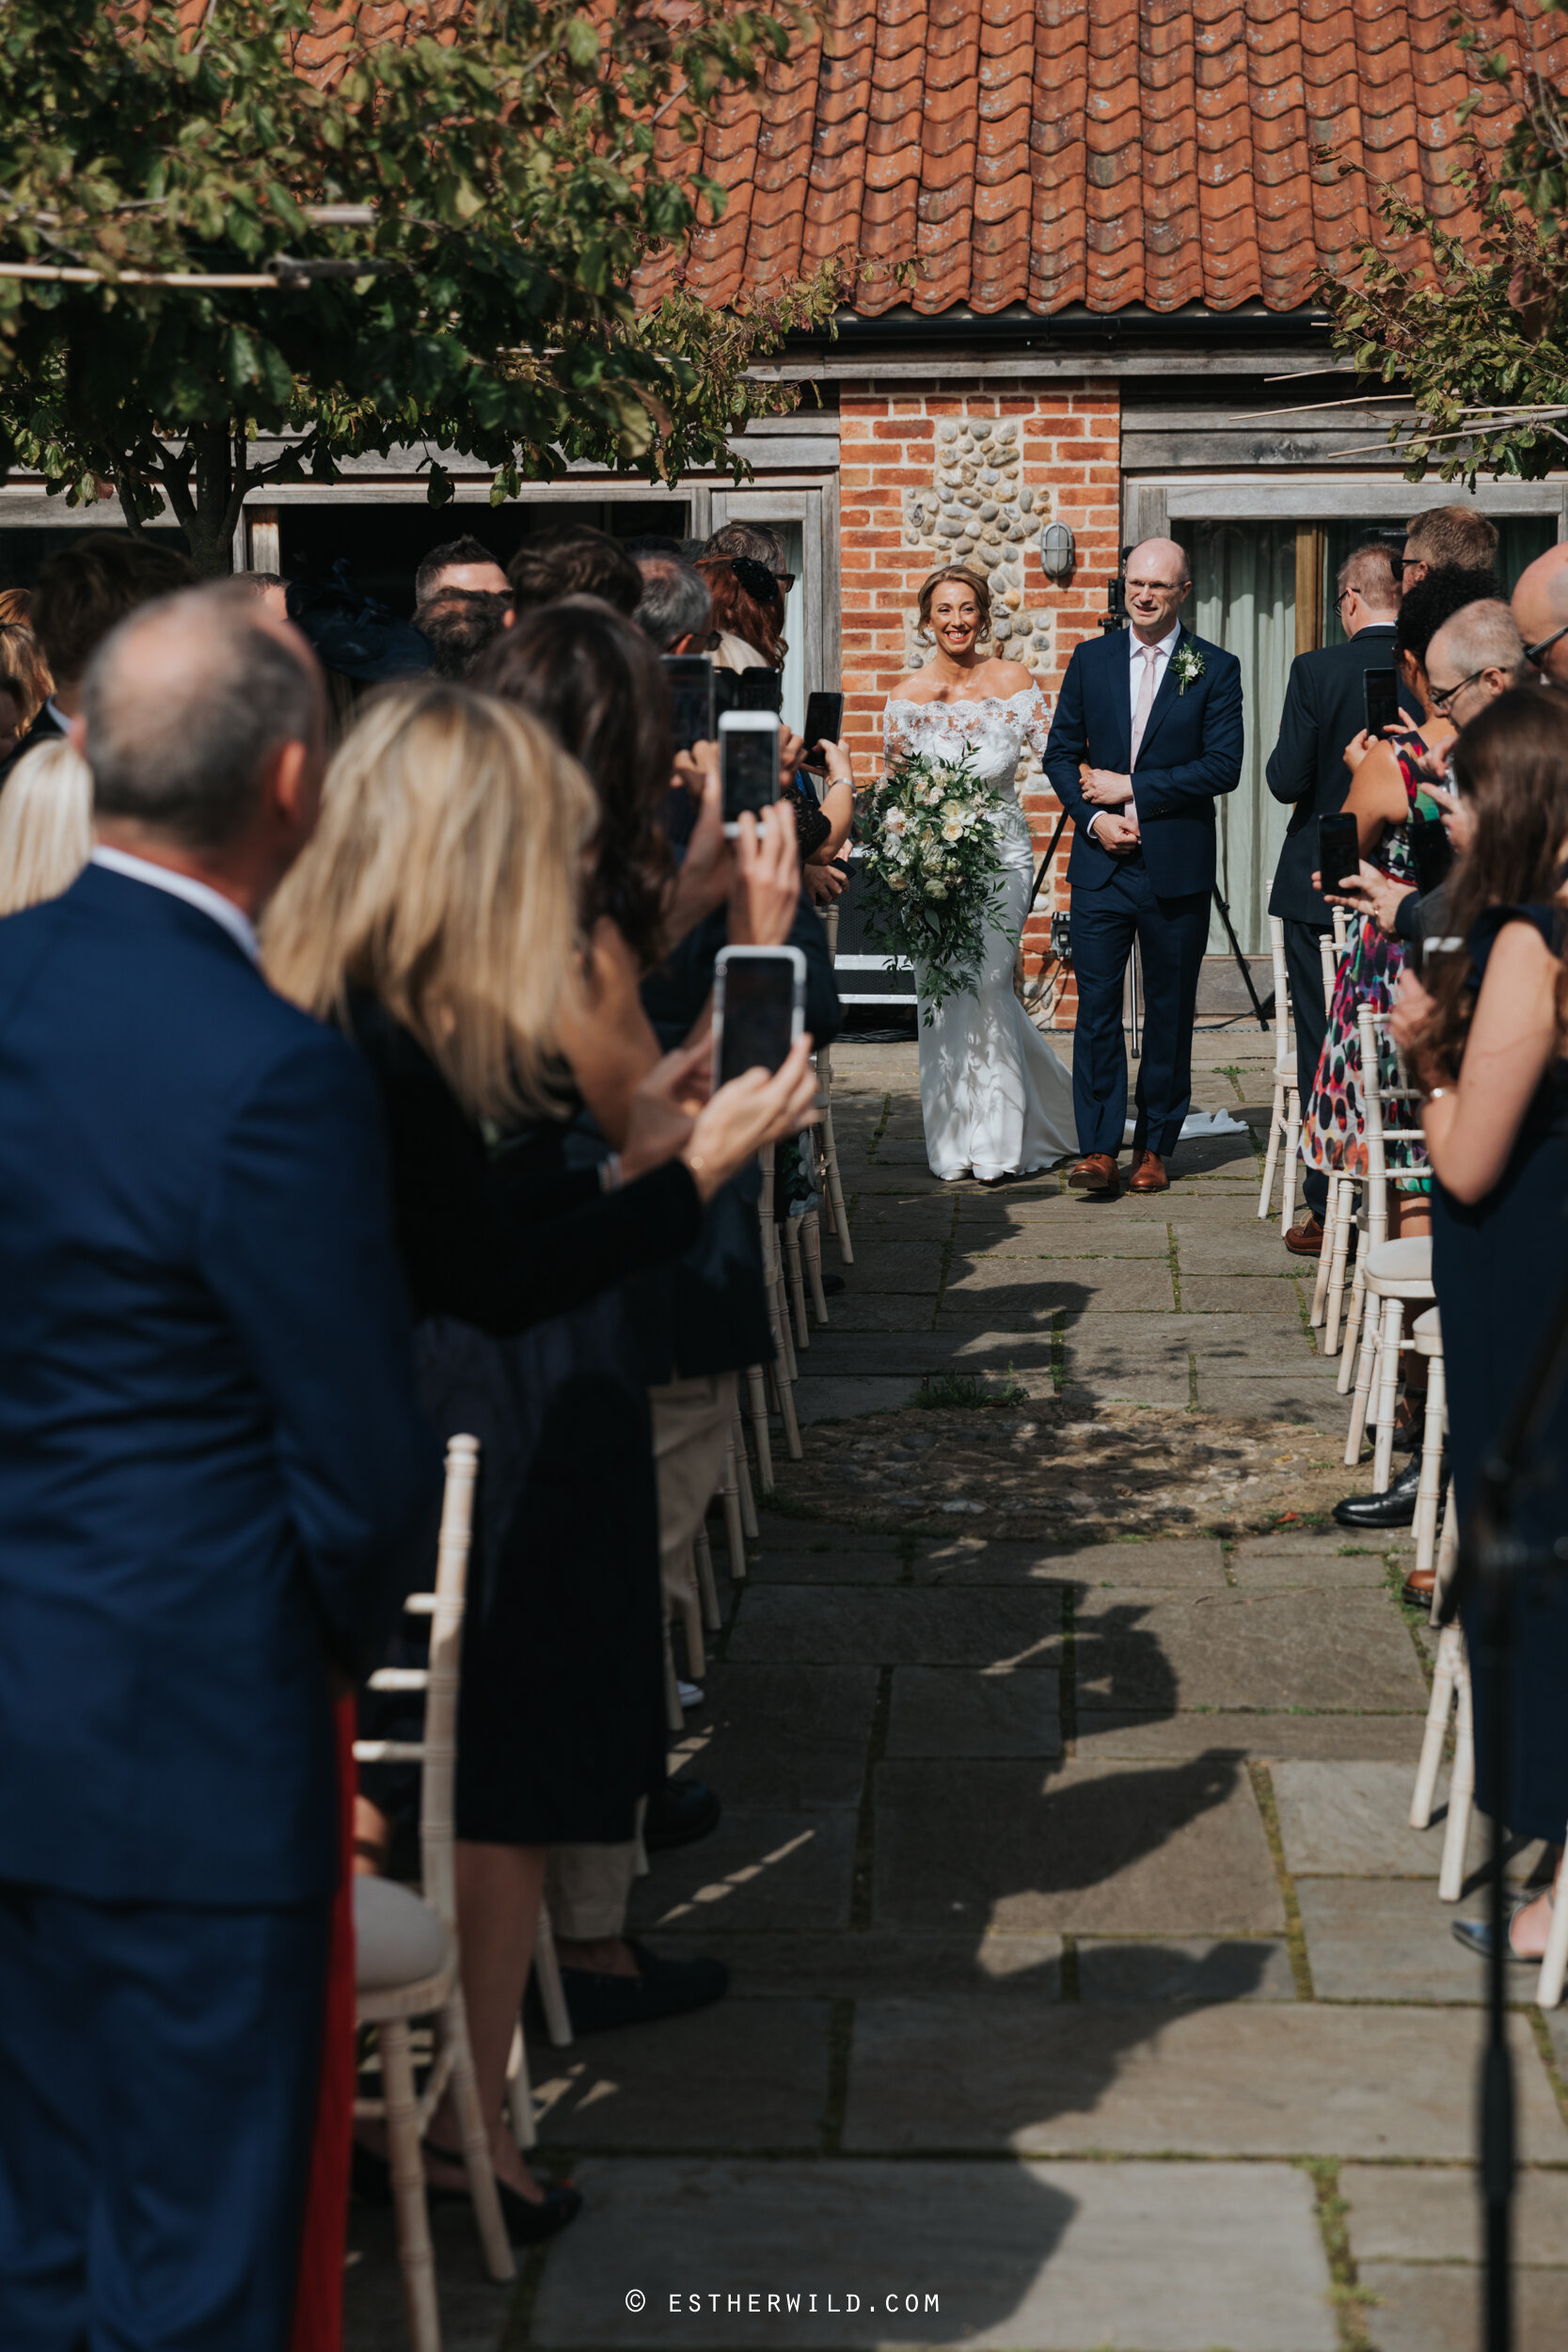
(1244,600)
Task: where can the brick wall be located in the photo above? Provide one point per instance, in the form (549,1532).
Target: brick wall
(1054,456)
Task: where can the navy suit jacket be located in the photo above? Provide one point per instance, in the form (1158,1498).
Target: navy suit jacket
(1324,706)
(1191,751)
(214,1477)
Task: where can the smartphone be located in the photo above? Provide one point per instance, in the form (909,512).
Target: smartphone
(691,676)
(1338,849)
(824,725)
(1381,701)
(759,690)
(759,1008)
(1431,852)
(747,764)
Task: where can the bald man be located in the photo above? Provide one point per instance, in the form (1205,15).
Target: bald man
(1541,610)
(212,1461)
(1148,734)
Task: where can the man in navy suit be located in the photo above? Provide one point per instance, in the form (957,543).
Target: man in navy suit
(1148,732)
(212,1471)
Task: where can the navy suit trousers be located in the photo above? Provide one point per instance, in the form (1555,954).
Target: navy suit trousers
(158,2083)
(1171,935)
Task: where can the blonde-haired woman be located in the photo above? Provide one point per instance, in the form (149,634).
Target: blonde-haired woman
(45,825)
(436,916)
(994,1098)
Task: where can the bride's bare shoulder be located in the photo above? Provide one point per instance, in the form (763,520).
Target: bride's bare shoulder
(914,687)
(1008,677)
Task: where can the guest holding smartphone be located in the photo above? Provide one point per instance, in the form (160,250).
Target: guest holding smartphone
(1488,1047)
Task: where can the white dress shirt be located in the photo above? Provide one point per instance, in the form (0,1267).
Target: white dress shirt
(195,893)
(1135,663)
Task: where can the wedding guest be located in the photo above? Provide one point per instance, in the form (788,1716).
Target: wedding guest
(1453,537)
(458,624)
(269,589)
(1488,1050)
(206,1507)
(82,590)
(45,825)
(12,725)
(676,610)
(23,663)
(436,913)
(747,611)
(465,564)
(1541,610)
(1324,706)
(16,606)
(573,561)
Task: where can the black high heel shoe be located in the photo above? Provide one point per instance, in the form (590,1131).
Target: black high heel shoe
(527,2223)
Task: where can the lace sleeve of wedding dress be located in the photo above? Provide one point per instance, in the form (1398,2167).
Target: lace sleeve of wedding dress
(897,742)
(1036,722)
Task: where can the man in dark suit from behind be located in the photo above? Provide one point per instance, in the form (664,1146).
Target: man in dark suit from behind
(1324,707)
(213,1469)
(82,590)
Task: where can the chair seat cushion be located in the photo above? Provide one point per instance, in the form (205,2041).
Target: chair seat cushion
(398,1939)
(1428,1326)
(1403,1261)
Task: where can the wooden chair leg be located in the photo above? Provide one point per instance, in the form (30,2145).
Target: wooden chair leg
(1326,1255)
(477,2160)
(811,1242)
(796,1279)
(757,1397)
(783,1342)
(835,1188)
(1445,1680)
(1277,1129)
(1430,1494)
(1448,1548)
(1387,1392)
(519,2093)
(415,2253)
(691,1626)
(1363,1396)
(1461,1788)
(743,1477)
(786,1409)
(552,1993)
(706,1588)
(1354,1321)
(1554,1961)
(1288,1173)
(1336,1298)
(674,1713)
(735,1534)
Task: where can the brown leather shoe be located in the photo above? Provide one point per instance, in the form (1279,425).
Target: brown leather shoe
(1149,1174)
(1096,1173)
(1306,1240)
(1417,1590)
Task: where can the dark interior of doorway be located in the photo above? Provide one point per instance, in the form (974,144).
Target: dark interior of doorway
(385,542)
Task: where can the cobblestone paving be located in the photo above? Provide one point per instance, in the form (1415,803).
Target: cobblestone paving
(1089,1990)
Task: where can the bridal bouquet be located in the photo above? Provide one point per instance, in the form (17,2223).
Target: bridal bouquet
(932,868)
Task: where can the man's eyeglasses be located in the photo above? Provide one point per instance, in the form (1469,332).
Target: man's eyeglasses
(1442,701)
(1533,652)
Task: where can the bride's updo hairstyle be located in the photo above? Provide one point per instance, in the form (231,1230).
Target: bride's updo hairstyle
(975,581)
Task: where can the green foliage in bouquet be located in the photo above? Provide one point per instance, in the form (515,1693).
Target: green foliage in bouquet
(933,869)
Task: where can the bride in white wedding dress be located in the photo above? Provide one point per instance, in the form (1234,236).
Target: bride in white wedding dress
(994,1098)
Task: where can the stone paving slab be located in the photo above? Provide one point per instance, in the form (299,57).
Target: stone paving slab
(747,2073)
(1420,2214)
(1307,1402)
(1394,1738)
(827,1567)
(873,1962)
(1235,1649)
(899,1628)
(1102,1849)
(759,1871)
(957,1711)
(1321,1571)
(1353,1821)
(871,1311)
(1233,1294)
(1019,2258)
(1234,1251)
(901,1357)
(1238,2078)
(897,1266)
(840,1398)
(1048,1285)
(786,1737)
(782,1530)
(1188,1968)
(1386,1940)
(1180,1563)
(1439,2308)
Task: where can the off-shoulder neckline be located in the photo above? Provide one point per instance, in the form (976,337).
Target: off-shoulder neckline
(978,702)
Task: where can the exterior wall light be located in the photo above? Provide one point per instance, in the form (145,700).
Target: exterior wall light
(1057,551)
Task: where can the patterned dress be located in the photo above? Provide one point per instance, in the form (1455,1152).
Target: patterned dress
(1333,1137)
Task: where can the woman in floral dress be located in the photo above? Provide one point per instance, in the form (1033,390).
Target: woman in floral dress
(1387,783)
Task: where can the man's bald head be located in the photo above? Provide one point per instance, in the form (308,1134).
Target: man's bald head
(1166,558)
(1157,580)
(1540,609)
(185,703)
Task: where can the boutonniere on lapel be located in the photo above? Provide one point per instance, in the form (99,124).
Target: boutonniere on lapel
(1188,664)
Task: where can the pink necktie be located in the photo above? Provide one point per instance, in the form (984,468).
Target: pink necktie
(1146,700)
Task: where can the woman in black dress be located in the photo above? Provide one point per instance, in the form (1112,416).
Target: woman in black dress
(437,916)
(1487,1045)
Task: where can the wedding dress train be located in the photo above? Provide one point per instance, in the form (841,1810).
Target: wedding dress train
(995,1100)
